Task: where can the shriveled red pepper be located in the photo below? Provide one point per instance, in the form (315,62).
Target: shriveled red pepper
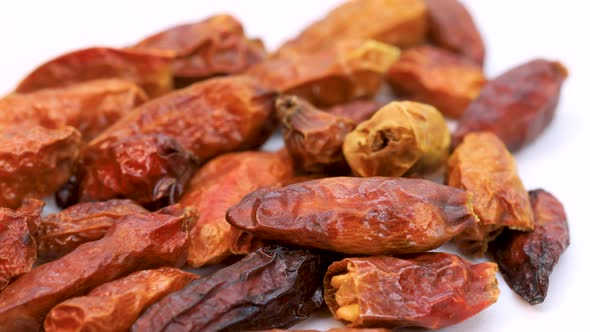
(430,290)
(517,105)
(62,232)
(142,241)
(211,47)
(366,216)
(526,259)
(90,106)
(18,248)
(221,183)
(151,70)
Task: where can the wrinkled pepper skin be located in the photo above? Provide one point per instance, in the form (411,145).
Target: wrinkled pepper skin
(452,27)
(150,70)
(114,306)
(527,259)
(517,105)
(152,170)
(18,248)
(271,287)
(149,155)
(212,47)
(397,22)
(366,216)
(403,137)
(357,111)
(140,242)
(437,77)
(483,166)
(346,71)
(429,290)
(313,138)
(221,183)
(30,211)
(90,107)
(208,118)
(62,232)
(35,161)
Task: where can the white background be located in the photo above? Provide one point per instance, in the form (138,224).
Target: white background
(32,32)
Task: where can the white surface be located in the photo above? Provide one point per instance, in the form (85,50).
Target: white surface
(32,32)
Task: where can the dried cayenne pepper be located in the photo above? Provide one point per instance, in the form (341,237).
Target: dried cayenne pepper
(18,248)
(430,290)
(150,154)
(90,107)
(368,216)
(62,232)
(313,138)
(452,27)
(212,47)
(437,77)
(35,161)
(482,165)
(526,259)
(345,71)
(396,22)
(151,70)
(517,105)
(114,306)
(271,287)
(140,242)
(218,185)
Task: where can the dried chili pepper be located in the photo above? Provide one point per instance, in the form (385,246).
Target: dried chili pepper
(368,216)
(313,138)
(35,161)
(212,47)
(402,137)
(114,306)
(144,155)
(18,249)
(357,111)
(208,118)
(151,70)
(437,77)
(517,105)
(482,165)
(30,211)
(221,183)
(90,106)
(62,232)
(397,22)
(152,170)
(271,287)
(346,71)
(430,290)
(452,27)
(527,259)
(141,241)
